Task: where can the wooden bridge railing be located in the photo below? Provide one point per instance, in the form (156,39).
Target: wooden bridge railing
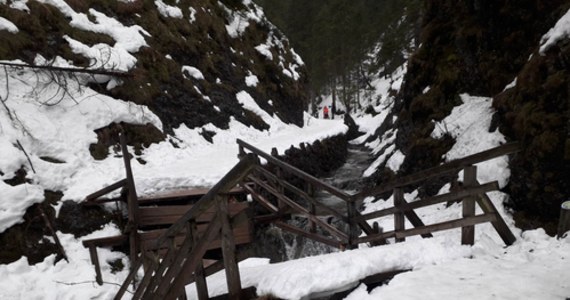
(270,178)
(470,193)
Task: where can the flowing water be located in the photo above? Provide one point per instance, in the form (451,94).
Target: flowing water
(348,178)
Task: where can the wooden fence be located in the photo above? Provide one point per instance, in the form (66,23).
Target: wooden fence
(275,179)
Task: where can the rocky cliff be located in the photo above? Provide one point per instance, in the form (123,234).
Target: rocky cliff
(478,47)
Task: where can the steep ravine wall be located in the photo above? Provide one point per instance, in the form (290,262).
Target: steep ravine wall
(478,47)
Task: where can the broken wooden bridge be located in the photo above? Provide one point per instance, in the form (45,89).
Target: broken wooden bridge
(182,237)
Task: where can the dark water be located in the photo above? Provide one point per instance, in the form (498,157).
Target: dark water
(348,178)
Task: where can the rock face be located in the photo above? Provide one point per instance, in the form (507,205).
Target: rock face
(186,60)
(196,55)
(478,47)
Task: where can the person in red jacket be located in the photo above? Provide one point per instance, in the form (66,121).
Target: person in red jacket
(326,112)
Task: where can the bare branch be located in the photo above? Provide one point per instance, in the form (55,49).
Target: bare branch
(92,282)
(71,70)
(27,156)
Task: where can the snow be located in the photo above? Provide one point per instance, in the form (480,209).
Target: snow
(38,118)
(193,72)
(192,14)
(14,202)
(395,161)
(469,125)
(264,50)
(7,25)
(19,5)
(129,39)
(251,80)
(559,32)
(168,11)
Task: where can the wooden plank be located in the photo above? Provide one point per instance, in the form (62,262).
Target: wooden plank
(297,207)
(303,194)
(183,193)
(143,285)
(468,207)
(156,277)
(430,228)
(491,186)
(262,200)
(95,262)
(352,225)
(106,241)
(500,226)
(242,236)
(399,220)
(413,217)
(230,180)
(169,214)
(199,274)
(228,249)
(132,273)
(174,285)
(449,167)
(448,225)
(309,235)
(93,196)
(293,170)
(132,204)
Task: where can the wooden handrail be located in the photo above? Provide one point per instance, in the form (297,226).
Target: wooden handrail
(450,167)
(296,171)
(492,186)
(301,193)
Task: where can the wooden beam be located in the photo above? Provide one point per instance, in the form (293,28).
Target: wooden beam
(309,235)
(452,196)
(293,170)
(468,207)
(300,209)
(262,200)
(302,194)
(119,184)
(199,274)
(430,228)
(132,273)
(449,167)
(399,220)
(95,262)
(175,284)
(499,224)
(229,251)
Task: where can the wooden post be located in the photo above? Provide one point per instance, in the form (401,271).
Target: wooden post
(312,208)
(376,229)
(469,180)
(564,221)
(229,251)
(132,201)
(353,225)
(281,189)
(399,219)
(199,274)
(241,152)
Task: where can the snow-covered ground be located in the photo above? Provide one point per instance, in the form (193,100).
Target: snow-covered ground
(535,267)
